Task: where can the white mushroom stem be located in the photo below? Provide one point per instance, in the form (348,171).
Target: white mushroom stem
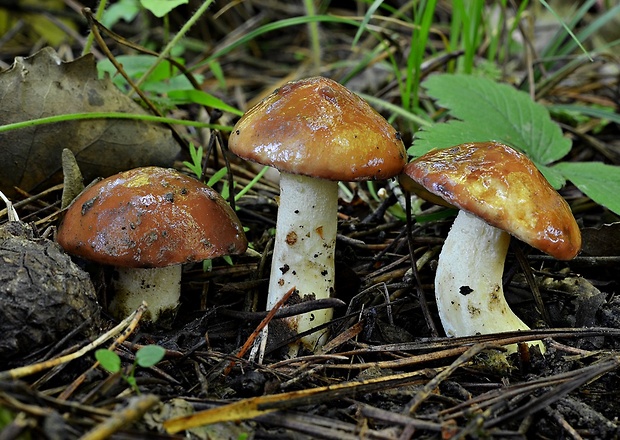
(159,287)
(468,282)
(303,254)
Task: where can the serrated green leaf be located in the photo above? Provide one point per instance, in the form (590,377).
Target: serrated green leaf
(490,111)
(553,176)
(599,181)
(149,355)
(159,8)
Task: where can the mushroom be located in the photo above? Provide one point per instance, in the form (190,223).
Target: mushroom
(499,192)
(147,222)
(316,132)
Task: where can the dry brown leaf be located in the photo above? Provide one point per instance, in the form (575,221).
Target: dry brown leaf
(41,86)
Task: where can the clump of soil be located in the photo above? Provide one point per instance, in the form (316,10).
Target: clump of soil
(44,296)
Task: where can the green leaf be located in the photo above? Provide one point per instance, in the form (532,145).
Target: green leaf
(216,69)
(604,113)
(199,97)
(150,355)
(488,111)
(553,176)
(108,360)
(599,181)
(125,10)
(364,24)
(166,77)
(196,164)
(159,8)
(217,176)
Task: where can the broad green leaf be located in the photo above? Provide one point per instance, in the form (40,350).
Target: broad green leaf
(149,355)
(457,132)
(487,111)
(108,360)
(553,176)
(122,10)
(159,8)
(599,181)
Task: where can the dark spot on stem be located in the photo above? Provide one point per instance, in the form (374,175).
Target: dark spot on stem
(465,290)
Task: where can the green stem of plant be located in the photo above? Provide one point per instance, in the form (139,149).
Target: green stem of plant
(397,110)
(108,115)
(567,29)
(98,16)
(315,42)
(252,182)
(186,27)
(423,19)
(270,27)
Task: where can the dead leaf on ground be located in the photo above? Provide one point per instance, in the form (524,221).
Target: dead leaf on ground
(42,85)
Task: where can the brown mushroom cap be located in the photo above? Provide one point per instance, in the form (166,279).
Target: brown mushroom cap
(317,127)
(504,188)
(150,217)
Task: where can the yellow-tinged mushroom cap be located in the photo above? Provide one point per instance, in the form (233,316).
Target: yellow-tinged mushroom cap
(317,127)
(504,188)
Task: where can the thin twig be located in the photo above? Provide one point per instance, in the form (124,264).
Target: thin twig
(27,370)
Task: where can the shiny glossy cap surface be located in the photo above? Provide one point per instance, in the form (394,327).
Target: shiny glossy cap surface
(150,217)
(504,188)
(317,127)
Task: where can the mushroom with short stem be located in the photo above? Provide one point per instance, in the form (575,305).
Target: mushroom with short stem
(147,222)
(316,132)
(499,192)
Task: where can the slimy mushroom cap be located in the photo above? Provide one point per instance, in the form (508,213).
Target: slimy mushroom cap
(502,187)
(317,127)
(150,217)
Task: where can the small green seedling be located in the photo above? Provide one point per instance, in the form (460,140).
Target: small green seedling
(195,165)
(146,357)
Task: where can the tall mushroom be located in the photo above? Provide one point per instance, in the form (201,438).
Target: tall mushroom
(147,222)
(316,132)
(500,192)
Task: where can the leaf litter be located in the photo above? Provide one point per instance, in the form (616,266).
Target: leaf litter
(385,374)
(43,85)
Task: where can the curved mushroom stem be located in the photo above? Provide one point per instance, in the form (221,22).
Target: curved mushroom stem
(468,282)
(303,254)
(159,287)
